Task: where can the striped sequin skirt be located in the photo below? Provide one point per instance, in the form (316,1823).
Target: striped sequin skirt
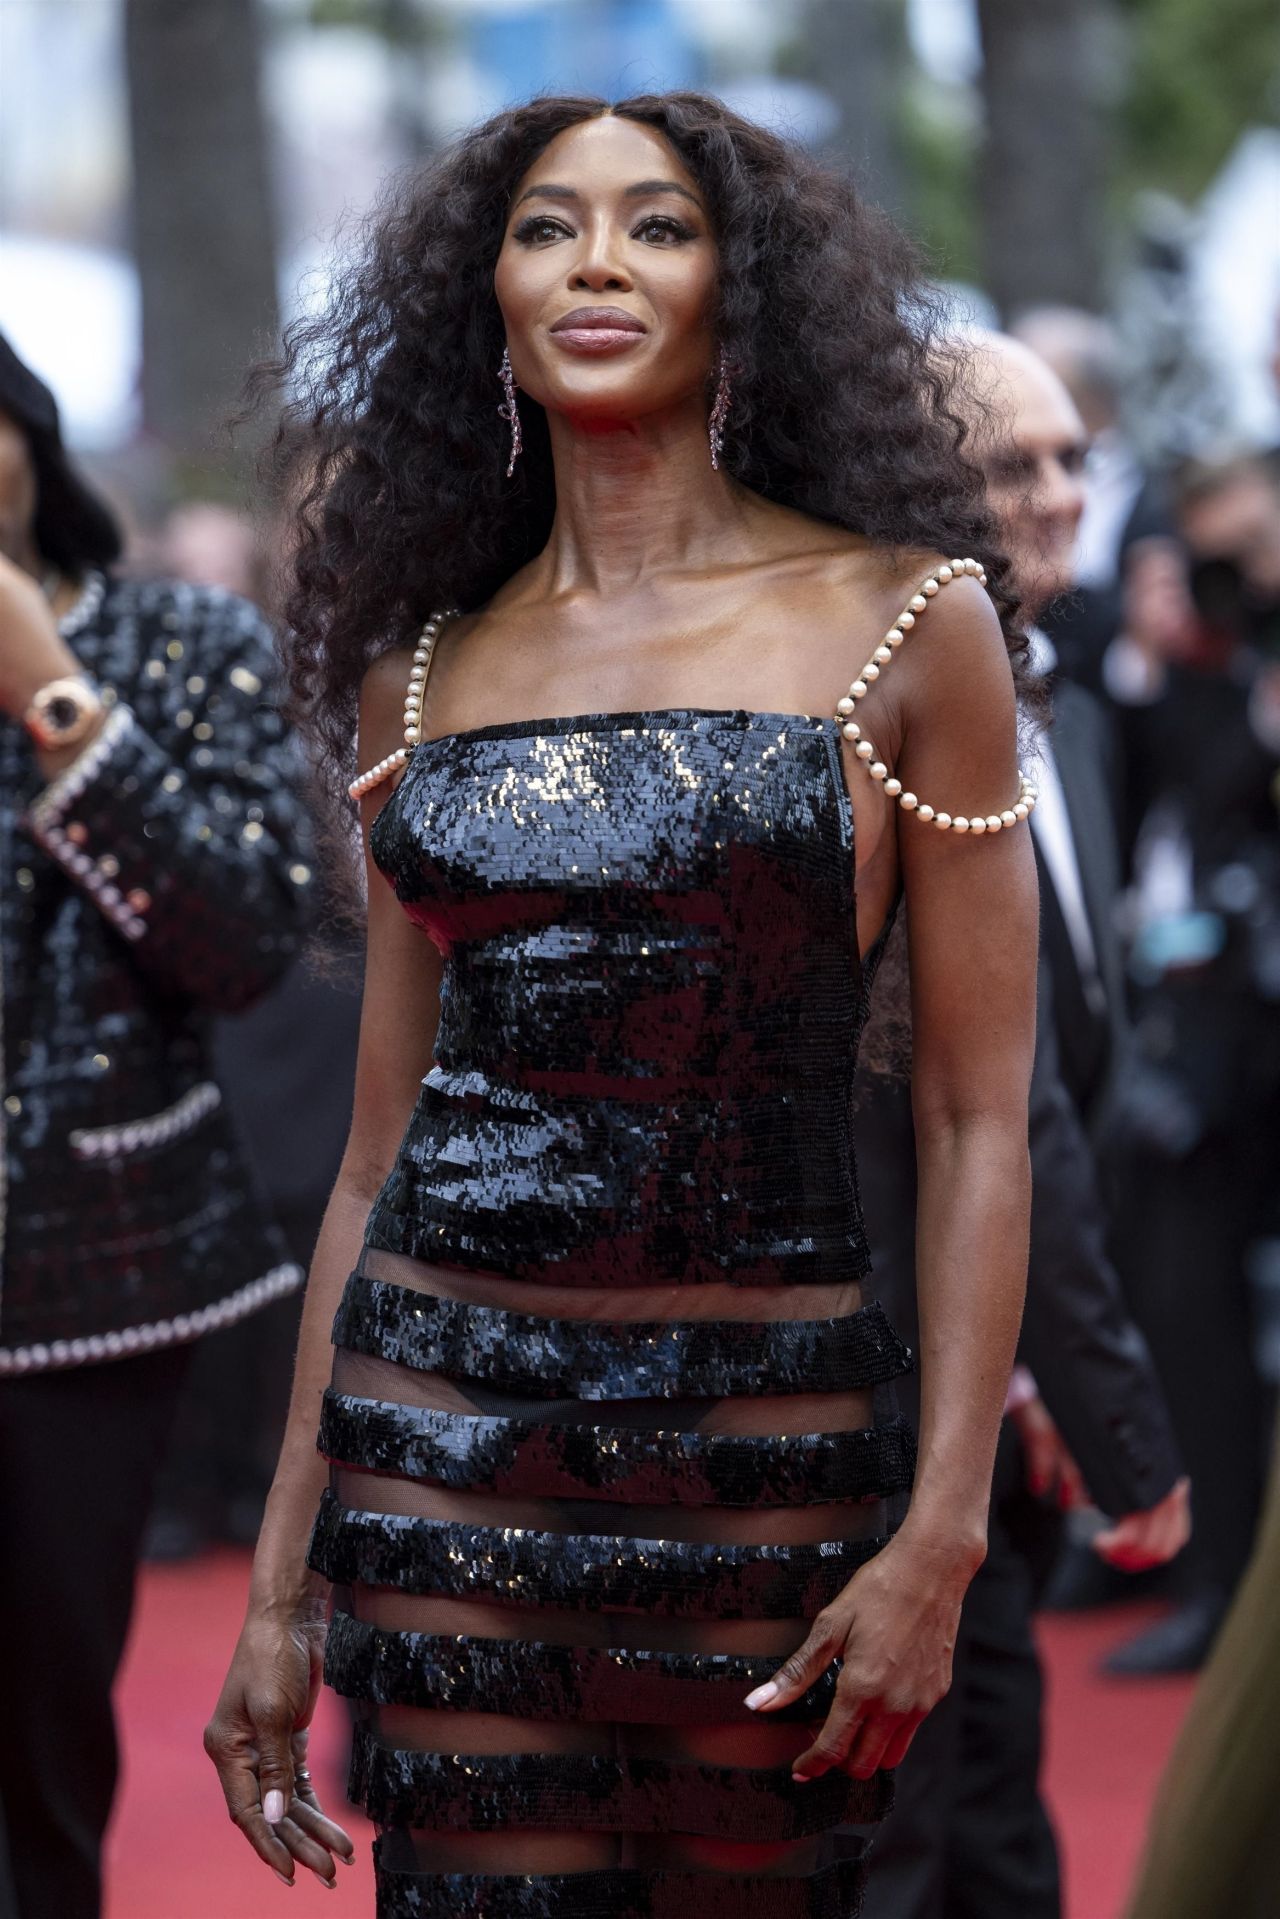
(565,1545)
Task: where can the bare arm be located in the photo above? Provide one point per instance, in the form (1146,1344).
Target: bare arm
(257,1737)
(972,928)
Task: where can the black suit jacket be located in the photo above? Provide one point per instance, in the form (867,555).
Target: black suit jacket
(1089,1359)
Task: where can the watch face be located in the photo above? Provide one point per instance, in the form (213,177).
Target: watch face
(62,712)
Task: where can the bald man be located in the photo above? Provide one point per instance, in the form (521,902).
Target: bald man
(970,1838)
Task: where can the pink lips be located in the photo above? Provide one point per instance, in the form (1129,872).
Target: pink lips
(598,329)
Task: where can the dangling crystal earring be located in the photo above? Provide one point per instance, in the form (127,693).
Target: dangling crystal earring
(510,411)
(720,409)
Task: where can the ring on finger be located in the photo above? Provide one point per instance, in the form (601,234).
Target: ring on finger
(301,1777)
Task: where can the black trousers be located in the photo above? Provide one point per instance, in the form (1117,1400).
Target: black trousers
(969,1837)
(78,1457)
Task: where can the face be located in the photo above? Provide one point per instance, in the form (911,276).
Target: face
(17,493)
(1033,459)
(607,277)
(1240,523)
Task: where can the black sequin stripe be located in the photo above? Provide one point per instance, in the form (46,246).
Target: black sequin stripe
(521,1457)
(588,1572)
(533,1680)
(591,1359)
(836,1892)
(589,1792)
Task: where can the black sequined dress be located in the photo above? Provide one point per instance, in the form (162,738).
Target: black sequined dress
(567,1544)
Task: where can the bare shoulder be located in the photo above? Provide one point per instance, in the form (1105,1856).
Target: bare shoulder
(382,691)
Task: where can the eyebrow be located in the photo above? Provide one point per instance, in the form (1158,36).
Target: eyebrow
(642,190)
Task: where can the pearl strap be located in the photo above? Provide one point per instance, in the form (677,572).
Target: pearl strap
(413,699)
(866,752)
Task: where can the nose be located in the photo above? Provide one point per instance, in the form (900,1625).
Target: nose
(1061,491)
(598,267)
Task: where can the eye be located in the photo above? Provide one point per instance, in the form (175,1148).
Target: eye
(660,229)
(537,227)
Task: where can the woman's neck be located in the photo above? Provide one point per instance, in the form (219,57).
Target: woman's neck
(636,498)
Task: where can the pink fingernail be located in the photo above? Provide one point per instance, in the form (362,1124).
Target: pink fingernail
(280,1876)
(328,1884)
(800,1778)
(273,1810)
(762,1695)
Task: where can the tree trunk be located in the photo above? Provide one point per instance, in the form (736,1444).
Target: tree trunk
(203,221)
(1048,89)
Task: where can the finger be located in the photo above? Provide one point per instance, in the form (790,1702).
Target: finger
(275,1769)
(306,1812)
(900,1743)
(831,1747)
(307,1851)
(238,1776)
(866,1754)
(804,1668)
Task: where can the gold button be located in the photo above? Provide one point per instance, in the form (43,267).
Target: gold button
(108,866)
(13,1105)
(174,649)
(101,1061)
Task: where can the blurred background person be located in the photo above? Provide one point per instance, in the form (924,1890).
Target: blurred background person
(970,1837)
(152,872)
(286,1066)
(1194,675)
(1214,1844)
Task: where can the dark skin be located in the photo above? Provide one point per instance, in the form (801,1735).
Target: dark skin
(667,584)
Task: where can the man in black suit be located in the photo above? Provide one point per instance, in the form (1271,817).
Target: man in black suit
(970,1838)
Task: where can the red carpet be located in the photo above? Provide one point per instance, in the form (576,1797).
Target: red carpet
(173,1854)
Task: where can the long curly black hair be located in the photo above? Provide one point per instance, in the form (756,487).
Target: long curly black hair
(394,454)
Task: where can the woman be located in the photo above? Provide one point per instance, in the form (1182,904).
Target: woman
(151,874)
(609,1495)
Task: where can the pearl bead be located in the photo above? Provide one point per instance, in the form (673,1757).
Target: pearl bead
(942,821)
(977,824)
(960,824)
(878,770)
(1021,810)
(924,812)
(908,802)
(918,603)
(859,689)
(958,566)
(994,822)
(894,636)
(844,704)
(893,788)
(871,671)
(944,576)
(906,620)
(851,730)
(882,654)
(1008,818)
(865,750)
(972,568)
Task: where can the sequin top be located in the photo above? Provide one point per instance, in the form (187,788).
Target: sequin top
(163,877)
(651,1005)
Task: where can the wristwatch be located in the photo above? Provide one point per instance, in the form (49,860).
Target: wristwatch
(63,711)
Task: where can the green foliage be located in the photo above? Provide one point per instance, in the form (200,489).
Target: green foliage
(1200,72)
(938,145)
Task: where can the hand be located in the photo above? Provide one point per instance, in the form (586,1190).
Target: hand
(894,1626)
(1050,1469)
(32,651)
(1150,1538)
(257,1739)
